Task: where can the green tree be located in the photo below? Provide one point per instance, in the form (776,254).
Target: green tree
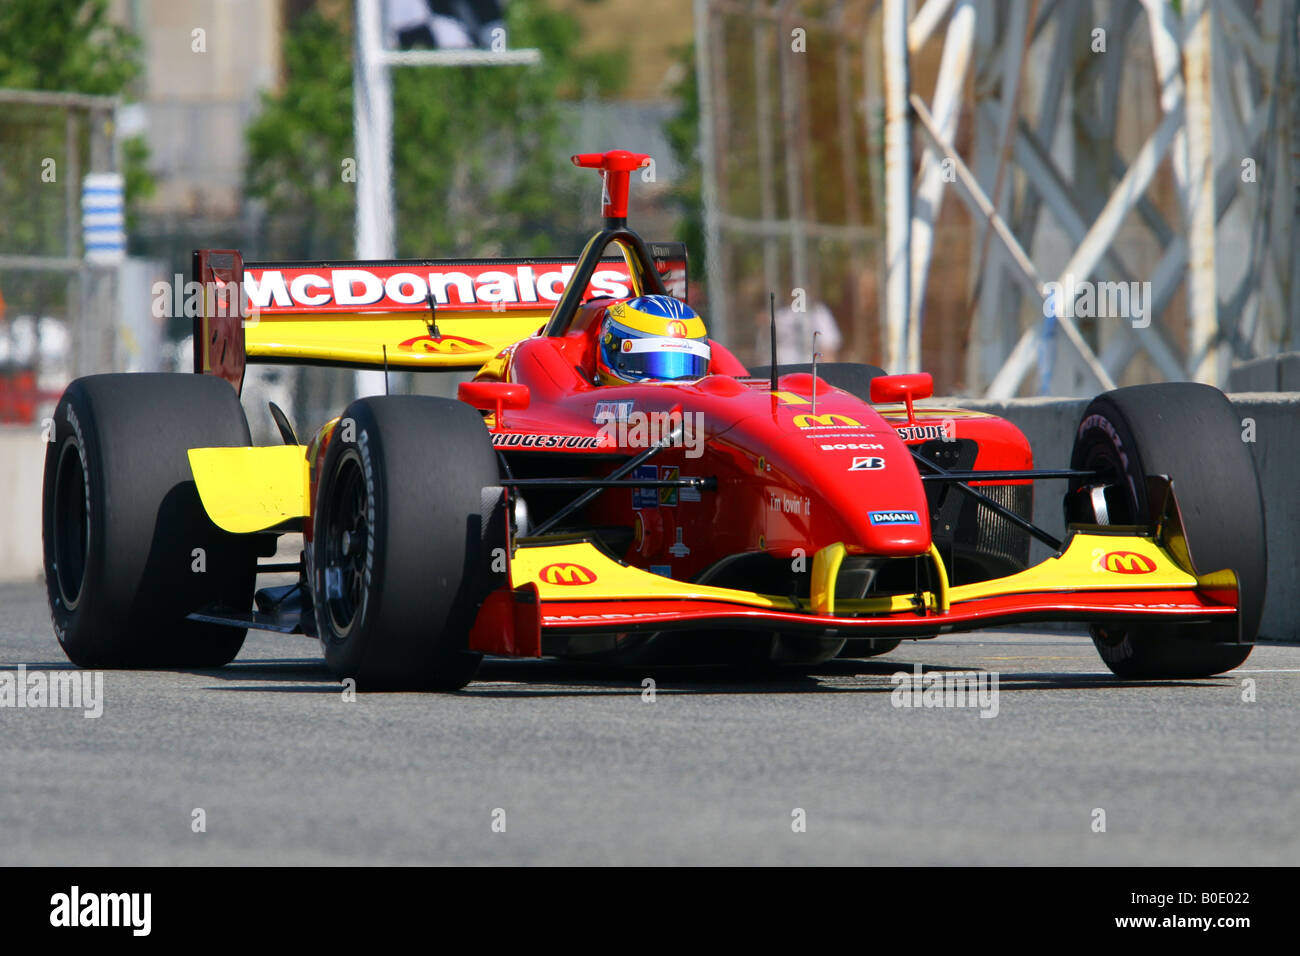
(65,45)
(60,46)
(479,156)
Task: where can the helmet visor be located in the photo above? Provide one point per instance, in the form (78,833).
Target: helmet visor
(661,359)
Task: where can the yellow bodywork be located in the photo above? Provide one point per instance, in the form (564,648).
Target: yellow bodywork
(579,571)
(465,341)
(1090,562)
(252,489)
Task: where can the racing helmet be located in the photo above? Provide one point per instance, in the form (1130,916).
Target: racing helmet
(651,338)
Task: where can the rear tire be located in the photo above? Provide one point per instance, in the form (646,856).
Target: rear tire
(123,524)
(1191,433)
(400,562)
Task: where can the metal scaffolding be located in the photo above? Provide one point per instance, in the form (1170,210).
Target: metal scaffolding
(1123,144)
(1227,96)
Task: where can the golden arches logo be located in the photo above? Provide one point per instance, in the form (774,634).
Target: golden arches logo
(677,329)
(445,345)
(567,574)
(829,420)
(1127,562)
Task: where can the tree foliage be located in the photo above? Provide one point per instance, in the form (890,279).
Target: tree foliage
(479,153)
(67,45)
(60,46)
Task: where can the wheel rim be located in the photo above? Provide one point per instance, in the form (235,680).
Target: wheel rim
(71,525)
(346,532)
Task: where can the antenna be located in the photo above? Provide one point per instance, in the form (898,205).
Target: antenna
(814,372)
(385,348)
(771,308)
(432,323)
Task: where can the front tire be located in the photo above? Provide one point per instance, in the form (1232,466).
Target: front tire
(400,547)
(129,550)
(1191,433)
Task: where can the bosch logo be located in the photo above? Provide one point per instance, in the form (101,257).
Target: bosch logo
(1127,562)
(567,574)
(894,517)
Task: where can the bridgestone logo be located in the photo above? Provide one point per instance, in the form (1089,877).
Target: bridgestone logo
(505,440)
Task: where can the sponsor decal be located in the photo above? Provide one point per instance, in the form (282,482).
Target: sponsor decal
(443,345)
(677,329)
(679,549)
(790,506)
(894,517)
(406,287)
(663,570)
(638,530)
(668,496)
(646,497)
(854,446)
(1127,562)
(790,398)
(829,420)
(922,432)
(861,463)
(690,494)
(612,411)
(567,574)
(516,440)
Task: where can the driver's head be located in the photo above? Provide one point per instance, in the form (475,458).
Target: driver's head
(651,338)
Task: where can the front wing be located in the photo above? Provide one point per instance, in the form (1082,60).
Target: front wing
(1102,575)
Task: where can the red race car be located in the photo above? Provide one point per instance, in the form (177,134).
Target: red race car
(613,483)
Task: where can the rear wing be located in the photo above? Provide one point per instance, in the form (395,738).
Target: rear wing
(403,313)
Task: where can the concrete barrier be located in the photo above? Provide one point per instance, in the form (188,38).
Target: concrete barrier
(1276,373)
(22,465)
(1049,424)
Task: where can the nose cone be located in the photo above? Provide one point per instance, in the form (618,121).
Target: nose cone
(870,498)
(839,473)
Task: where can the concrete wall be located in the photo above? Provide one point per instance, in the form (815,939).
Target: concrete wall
(1049,423)
(22,464)
(1277,373)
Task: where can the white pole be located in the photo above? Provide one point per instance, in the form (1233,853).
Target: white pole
(372,123)
(898,187)
(953,65)
(1207,357)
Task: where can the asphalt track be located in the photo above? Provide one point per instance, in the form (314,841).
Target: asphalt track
(711,771)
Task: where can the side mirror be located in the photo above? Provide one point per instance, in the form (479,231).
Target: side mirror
(902,388)
(493,397)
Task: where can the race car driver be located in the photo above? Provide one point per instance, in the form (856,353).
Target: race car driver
(652,338)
